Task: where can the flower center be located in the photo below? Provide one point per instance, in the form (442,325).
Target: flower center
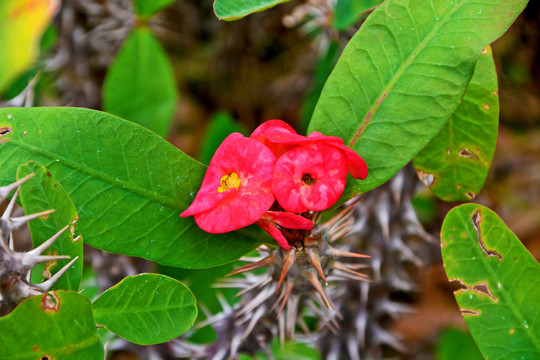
(308,180)
(228,182)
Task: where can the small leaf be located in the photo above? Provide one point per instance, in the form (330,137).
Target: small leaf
(40,193)
(456,162)
(140,84)
(128,184)
(403,75)
(146,309)
(221,125)
(347,12)
(234,9)
(499,280)
(56,326)
(457,344)
(147,8)
(22,23)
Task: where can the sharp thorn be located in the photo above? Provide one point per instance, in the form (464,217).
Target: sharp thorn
(11,242)
(32,260)
(317,285)
(315,261)
(340,253)
(6,190)
(288,261)
(285,297)
(41,248)
(20,221)
(339,266)
(9,209)
(45,286)
(253,266)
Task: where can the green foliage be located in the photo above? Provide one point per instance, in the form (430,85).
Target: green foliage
(41,193)
(322,70)
(147,8)
(500,282)
(458,159)
(22,23)
(140,84)
(293,350)
(234,9)
(59,326)
(347,12)
(403,75)
(128,184)
(221,125)
(146,309)
(457,344)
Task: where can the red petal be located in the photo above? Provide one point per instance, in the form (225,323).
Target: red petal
(288,220)
(260,134)
(288,173)
(329,184)
(273,231)
(324,163)
(355,164)
(253,162)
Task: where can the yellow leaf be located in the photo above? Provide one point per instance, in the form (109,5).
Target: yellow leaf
(22,23)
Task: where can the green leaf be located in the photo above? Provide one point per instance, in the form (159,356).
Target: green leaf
(22,23)
(146,309)
(40,193)
(402,76)
(347,12)
(293,350)
(499,279)
(221,125)
(147,8)
(128,184)
(59,326)
(234,9)
(140,84)
(457,344)
(456,162)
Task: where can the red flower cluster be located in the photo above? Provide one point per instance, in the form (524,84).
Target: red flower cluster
(246,176)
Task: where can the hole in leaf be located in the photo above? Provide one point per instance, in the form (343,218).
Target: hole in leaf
(5,130)
(466,153)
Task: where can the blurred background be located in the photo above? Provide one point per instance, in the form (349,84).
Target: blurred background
(232,76)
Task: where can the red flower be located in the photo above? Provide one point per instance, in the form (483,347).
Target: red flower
(236,190)
(269,126)
(310,177)
(286,220)
(282,137)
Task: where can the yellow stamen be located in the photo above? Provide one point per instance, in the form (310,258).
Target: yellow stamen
(229,181)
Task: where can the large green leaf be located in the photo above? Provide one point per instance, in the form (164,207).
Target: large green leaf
(146,309)
(499,279)
(59,326)
(456,162)
(140,84)
(234,9)
(43,192)
(22,22)
(402,76)
(146,8)
(128,184)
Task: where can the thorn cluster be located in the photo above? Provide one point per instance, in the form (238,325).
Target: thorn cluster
(15,266)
